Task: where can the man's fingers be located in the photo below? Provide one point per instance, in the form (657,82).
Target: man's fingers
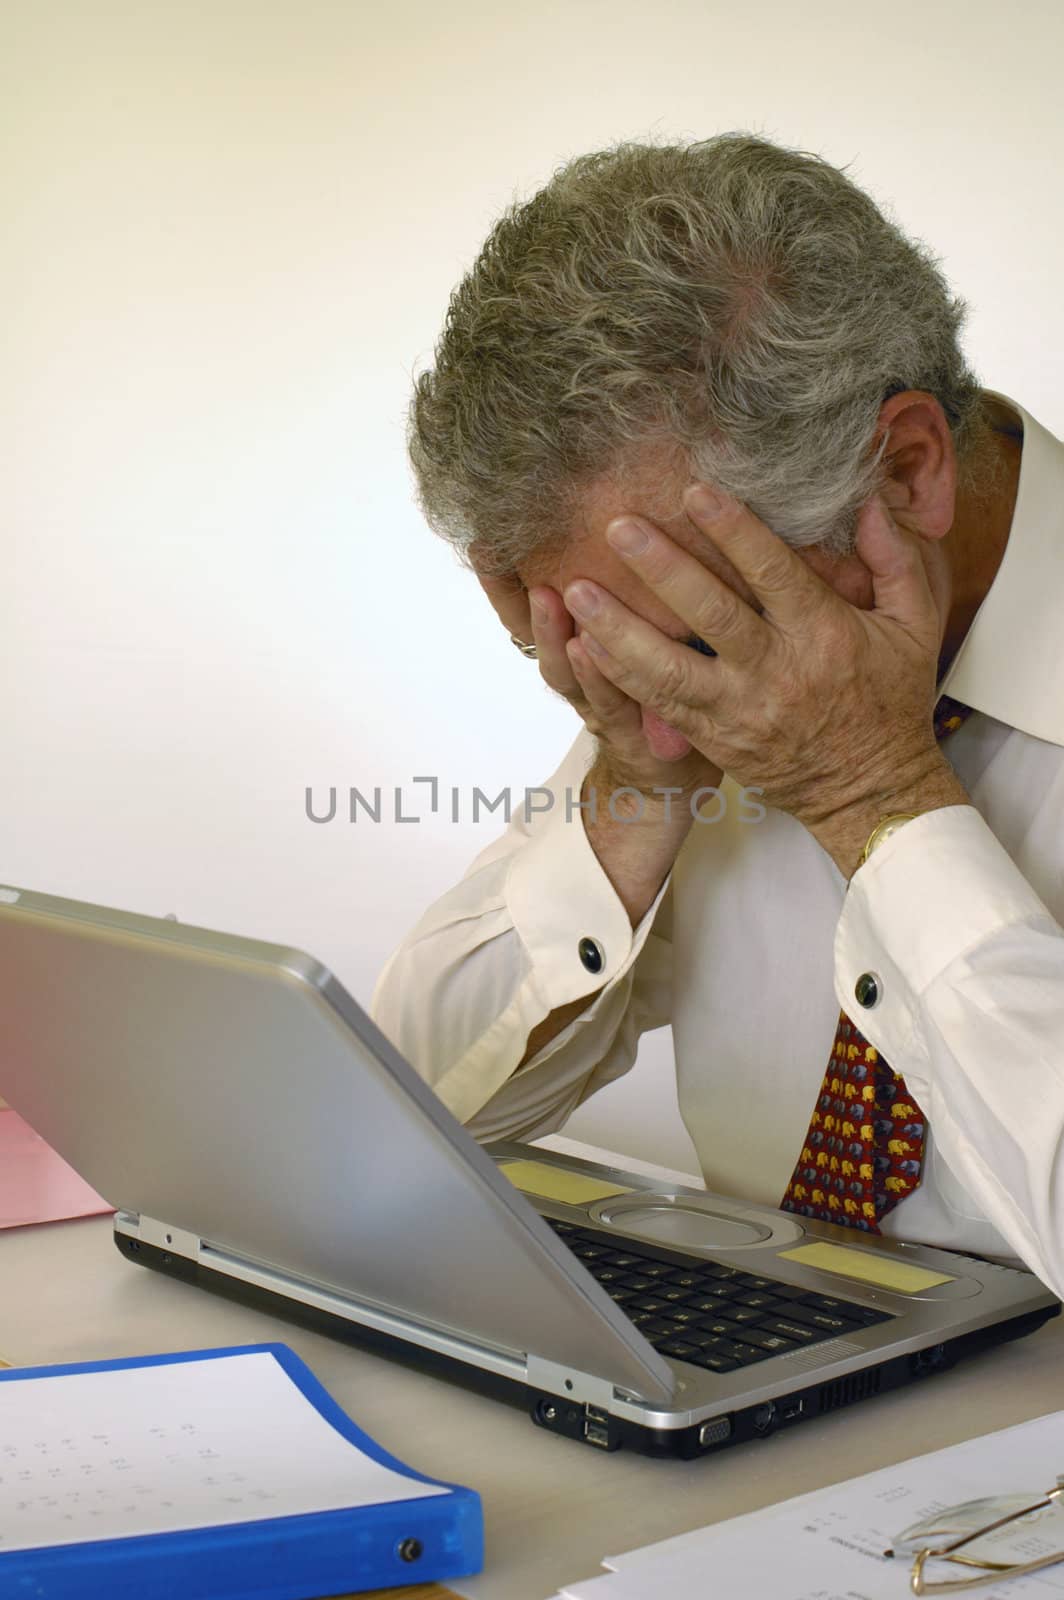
(899,578)
(604,699)
(650,668)
(712,610)
(537,616)
(509,599)
(552,628)
(784,584)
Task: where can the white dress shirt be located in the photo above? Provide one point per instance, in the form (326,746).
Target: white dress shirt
(755,942)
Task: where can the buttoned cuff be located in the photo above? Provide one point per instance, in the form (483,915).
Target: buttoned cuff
(933,891)
(566,911)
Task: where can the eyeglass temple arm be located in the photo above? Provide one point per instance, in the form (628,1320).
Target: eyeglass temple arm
(990,1570)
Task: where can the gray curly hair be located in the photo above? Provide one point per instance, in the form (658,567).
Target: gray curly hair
(744,304)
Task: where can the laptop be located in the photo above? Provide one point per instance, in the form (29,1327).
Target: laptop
(260,1137)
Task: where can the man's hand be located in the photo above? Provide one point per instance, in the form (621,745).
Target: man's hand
(615,719)
(824,707)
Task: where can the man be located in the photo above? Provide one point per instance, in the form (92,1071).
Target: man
(709,396)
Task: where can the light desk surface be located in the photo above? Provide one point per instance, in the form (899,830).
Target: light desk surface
(552,1508)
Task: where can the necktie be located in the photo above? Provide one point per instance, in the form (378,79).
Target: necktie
(865,1146)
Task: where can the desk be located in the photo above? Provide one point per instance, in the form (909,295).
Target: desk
(552,1508)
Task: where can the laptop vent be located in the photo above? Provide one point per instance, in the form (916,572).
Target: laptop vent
(820,1355)
(846,1391)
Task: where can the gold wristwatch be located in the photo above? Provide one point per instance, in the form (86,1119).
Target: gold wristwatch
(883,830)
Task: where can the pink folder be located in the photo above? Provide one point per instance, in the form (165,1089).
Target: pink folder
(36,1185)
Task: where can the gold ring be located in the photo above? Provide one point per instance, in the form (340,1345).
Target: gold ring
(528,650)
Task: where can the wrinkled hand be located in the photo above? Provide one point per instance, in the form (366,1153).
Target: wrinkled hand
(824,707)
(611,715)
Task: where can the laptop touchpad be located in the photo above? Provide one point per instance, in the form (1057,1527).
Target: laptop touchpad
(685,1227)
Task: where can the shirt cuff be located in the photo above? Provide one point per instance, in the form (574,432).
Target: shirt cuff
(931,892)
(566,912)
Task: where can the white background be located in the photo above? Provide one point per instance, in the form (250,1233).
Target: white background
(230,233)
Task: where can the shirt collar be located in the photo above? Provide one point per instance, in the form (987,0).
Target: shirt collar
(1011,664)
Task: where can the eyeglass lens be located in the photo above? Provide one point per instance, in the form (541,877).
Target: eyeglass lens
(1027,1537)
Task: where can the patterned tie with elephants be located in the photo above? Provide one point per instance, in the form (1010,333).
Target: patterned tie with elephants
(865,1147)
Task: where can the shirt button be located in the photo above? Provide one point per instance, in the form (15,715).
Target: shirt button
(590,953)
(866,990)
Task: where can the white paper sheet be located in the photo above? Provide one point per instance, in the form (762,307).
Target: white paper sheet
(194,1444)
(828,1545)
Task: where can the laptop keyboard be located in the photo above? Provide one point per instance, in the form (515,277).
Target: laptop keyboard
(713,1316)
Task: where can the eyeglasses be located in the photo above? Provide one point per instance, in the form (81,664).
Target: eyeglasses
(1003,1537)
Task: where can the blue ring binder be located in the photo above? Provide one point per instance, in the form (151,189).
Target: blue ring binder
(280,1558)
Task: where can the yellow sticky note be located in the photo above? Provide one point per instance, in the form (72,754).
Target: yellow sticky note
(557,1183)
(883,1272)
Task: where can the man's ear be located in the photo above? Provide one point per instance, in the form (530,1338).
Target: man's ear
(920,489)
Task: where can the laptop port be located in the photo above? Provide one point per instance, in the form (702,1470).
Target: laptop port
(596,1414)
(597,1433)
(789,1409)
(765,1419)
(714,1432)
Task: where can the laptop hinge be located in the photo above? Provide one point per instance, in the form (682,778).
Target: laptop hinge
(177,1240)
(571,1384)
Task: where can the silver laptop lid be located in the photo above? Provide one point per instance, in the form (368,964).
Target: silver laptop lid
(234,1090)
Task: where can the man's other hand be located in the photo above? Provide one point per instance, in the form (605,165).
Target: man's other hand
(631,755)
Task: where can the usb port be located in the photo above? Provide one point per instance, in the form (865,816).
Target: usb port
(597,1433)
(789,1409)
(596,1414)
